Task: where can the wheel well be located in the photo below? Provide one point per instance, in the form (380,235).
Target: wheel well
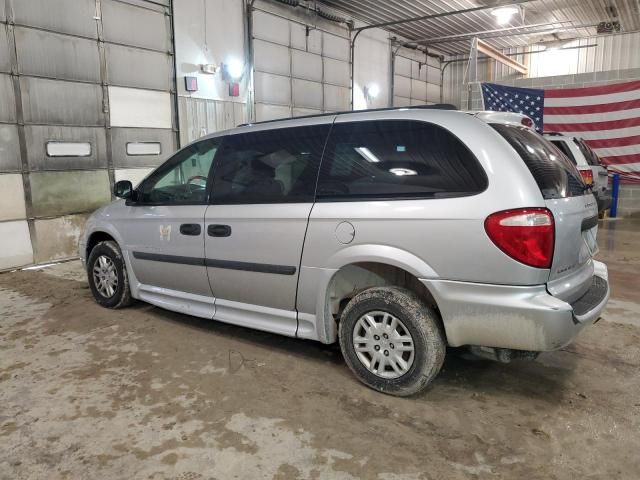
(95,239)
(354,278)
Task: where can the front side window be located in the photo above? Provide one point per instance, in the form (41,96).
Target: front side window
(183,178)
(397,159)
(269,166)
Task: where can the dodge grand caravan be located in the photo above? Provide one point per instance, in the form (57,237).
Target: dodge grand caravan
(396,233)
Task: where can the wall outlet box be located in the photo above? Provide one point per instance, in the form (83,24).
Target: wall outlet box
(191,84)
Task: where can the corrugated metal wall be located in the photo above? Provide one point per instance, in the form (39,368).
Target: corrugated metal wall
(415,81)
(299,68)
(86,89)
(611,52)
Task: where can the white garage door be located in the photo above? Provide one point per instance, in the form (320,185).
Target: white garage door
(89,102)
(298,69)
(415,82)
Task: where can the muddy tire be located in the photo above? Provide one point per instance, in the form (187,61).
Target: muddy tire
(107,276)
(391,340)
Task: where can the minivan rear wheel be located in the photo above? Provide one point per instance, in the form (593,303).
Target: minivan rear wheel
(107,276)
(391,340)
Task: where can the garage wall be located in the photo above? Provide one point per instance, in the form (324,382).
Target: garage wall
(209,32)
(416,79)
(81,82)
(610,53)
(301,67)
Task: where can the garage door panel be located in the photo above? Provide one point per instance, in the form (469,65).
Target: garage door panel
(271,28)
(336,98)
(401,86)
(307,94)
(134,26)
(60,193)
(58,56)
(273,89)
(239,113)
(8,103)
(300,112)
(419,90)
(16,244)
(271,58)
(57,238)
(134,175)
(265,112)
(60,102)
(298,36)
(46,146)
(433,75)
(12,206)
(5,58)
(64,16)
(336,72)
(2,9)
(137,147)
(433,93)
(134,107)
(9,149)
(314,42)
(335,47)
(152,69)
(306,66)
(402,66)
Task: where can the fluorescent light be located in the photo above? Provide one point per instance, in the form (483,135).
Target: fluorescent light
(367,154)
(503,14)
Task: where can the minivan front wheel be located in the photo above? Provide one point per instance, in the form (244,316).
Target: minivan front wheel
(107,276)
(391,340)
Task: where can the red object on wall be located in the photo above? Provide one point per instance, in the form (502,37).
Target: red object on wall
(234,89)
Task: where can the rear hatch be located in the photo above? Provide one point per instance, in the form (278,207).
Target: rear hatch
(573,207)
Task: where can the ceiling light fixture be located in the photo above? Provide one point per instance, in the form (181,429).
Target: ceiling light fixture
(504,14)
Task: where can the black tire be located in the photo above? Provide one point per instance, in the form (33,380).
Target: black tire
(420,321)
(122,295)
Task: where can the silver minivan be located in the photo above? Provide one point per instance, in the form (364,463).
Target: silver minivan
(395,232)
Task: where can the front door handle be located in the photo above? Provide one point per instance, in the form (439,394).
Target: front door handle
(219,230)
(192,229)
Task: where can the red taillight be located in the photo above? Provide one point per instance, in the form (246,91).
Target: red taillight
(587,176)
(525,234)
(527,122)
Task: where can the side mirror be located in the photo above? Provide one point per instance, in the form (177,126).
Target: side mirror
(123,189)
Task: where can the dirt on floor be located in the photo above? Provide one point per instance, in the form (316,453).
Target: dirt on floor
(91,393)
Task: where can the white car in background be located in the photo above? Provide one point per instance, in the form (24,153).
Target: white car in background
(592,171)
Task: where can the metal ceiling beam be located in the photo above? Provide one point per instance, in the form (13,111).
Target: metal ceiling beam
(467,36)
(440,15)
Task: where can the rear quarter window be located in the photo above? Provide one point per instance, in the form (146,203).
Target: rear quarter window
(396,159)
(555,175)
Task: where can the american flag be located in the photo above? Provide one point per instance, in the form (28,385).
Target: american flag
(607,117)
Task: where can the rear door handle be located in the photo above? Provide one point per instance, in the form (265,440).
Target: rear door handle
(192,229)
(219,230)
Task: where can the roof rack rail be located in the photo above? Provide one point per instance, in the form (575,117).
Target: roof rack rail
(436,106)
(554,134)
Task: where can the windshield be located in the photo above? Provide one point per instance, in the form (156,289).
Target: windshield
(554,173)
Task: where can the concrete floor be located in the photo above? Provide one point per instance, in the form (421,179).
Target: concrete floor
(91,393)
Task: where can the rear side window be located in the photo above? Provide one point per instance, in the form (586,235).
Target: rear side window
(589,155)
(396,159)
(269,166)
(564,148)
(556,176)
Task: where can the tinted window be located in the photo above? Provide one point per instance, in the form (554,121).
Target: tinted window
(397,159)
(589,155)
(271,166)
(183,178)
(556,176)
(564,148)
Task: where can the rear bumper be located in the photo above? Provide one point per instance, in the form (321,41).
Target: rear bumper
(521,318)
